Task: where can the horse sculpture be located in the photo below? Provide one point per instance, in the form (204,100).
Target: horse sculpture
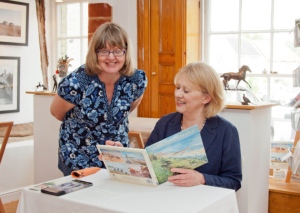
(240,75)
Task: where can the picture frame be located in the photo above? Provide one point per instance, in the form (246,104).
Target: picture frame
(135,140)
(9,84)
(14,23)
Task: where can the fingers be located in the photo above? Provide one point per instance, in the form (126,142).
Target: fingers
(185,177)
(118,143)
(113,143)
(109,143)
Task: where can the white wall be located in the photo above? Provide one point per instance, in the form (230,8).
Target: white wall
(30,73)
(124,13)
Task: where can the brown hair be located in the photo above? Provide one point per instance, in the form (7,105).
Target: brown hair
(205,78)
(115,36)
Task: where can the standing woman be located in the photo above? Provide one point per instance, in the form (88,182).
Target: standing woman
(199,97)
(94,101)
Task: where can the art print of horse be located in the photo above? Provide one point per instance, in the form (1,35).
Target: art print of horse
(240,75)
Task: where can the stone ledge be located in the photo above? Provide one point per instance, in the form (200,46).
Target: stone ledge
(19,130)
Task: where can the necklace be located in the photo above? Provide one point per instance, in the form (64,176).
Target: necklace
(200,128)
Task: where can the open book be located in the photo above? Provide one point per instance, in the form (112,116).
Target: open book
(151,166)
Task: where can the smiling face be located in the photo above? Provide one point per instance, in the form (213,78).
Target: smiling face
(111,64)
(189,99)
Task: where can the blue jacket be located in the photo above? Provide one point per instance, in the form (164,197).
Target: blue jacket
(221,143)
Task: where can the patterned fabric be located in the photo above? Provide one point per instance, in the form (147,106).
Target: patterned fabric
(93,120)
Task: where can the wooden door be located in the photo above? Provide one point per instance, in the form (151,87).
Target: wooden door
(161,52)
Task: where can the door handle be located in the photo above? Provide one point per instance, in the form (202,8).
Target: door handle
(153,73)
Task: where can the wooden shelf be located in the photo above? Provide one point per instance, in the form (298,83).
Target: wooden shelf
(250,106)
(292,188)
(41,93)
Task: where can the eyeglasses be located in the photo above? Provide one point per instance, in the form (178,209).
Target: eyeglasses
(116,53)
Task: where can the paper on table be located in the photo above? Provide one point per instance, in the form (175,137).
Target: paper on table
(84,172)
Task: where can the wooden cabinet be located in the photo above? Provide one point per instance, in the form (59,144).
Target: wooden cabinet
(284,197)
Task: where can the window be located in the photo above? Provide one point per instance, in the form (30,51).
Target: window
(258,34)
(72,31)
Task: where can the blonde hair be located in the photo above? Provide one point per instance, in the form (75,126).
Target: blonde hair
(115,36)
(205,78)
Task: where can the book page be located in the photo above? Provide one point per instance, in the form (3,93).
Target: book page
(182,150)
(128,164)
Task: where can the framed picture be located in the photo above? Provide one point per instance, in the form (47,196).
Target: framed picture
(9,84)
(14,23)
(135,140)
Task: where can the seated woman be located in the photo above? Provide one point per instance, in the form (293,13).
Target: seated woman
(199,97)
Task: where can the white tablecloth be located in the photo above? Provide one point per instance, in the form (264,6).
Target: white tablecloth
(107,195)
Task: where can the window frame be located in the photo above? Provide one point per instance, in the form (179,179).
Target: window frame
(56,38)
(205,23)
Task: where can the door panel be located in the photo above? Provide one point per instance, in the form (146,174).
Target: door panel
(164,54)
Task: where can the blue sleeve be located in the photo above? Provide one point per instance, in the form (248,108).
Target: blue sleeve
(230,172)
(140,84)
(69,89)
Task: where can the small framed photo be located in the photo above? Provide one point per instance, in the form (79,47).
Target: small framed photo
(9,84)
(14,23)
(135,140)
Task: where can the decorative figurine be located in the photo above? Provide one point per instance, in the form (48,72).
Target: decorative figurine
(39,85)
(54,83)
(63,66)
(246,100)
(240,75)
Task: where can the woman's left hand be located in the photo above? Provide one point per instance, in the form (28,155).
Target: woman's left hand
(186,177)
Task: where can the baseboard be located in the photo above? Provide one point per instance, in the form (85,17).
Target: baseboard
(10,196)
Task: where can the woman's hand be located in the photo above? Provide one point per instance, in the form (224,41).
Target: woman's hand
(186,177)
(111,143)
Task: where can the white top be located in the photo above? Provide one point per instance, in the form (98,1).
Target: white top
(107,195)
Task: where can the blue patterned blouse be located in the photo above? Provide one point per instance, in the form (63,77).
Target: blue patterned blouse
(93,120)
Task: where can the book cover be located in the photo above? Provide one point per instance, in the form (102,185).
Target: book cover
(182,150)
(152,165)
(54,182)
(128,164)
(67,187)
